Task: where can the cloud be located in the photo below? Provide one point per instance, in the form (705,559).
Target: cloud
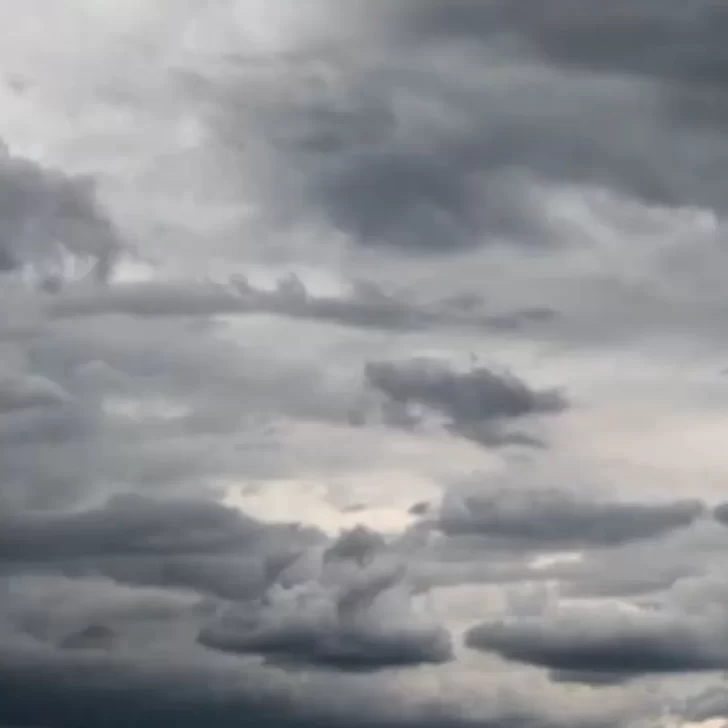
(326,203)
(367,306)
(720,513)
(128,525)
(708,705)
(667,41)
(476,403)
(181,543)
(20,393)
(47,214)
(356,616)
(528,517)
(118,692)
(431,127)
(610,648)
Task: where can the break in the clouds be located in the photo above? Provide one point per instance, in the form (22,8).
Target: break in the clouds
(360,363)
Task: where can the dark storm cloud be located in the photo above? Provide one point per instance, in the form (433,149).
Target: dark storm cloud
(91,646)
(350,647)
(357,618)
(473,144)
(608,648)
(85,691)
(556,518)
(280,590)
(443,126)
(476,403)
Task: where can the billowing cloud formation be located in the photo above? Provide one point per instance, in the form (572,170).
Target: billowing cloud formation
(446,130)
(352,618)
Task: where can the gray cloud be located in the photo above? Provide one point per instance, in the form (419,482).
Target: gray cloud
(355,617)
(367,307)
(557,518)
(668,40)
(48,215)
(476,403)
(125,526)
(64,692)
(578,647)
(466,142)
(720,513)
(707,705)
(354,144)
(21,393)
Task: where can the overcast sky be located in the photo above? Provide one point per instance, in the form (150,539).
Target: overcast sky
(363,363)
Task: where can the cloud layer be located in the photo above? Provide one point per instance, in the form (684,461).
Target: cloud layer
(363,364)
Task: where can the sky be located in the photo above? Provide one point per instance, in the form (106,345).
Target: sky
(363,363)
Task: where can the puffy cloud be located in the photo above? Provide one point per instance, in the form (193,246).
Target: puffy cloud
(476,403)
(602,647)
(355,616)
